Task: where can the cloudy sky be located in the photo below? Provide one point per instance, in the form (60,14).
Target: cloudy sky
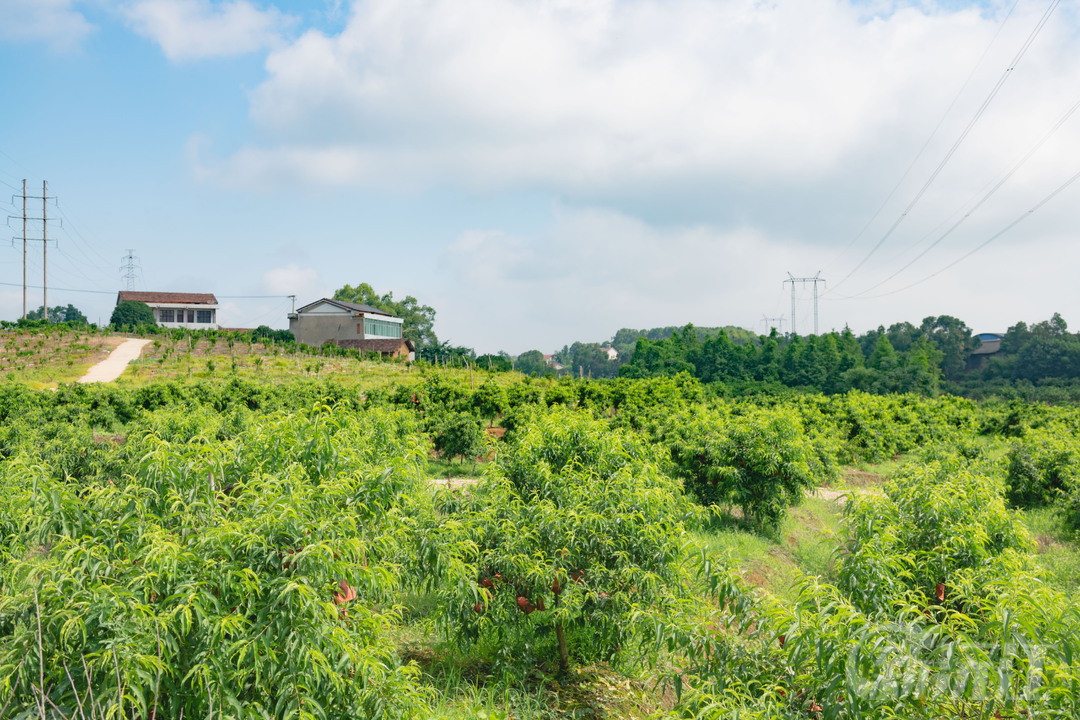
(548,171)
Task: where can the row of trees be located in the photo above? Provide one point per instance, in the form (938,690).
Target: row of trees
(904,358)
(901,358)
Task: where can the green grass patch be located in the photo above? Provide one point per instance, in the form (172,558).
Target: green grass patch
(804,545)
(1058,552)
(437,468)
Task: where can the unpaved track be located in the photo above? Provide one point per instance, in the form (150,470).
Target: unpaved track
(113,366)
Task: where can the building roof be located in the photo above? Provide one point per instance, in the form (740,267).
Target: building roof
(344,305)
(172,298)
(990,343)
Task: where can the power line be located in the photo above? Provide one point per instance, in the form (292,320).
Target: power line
(956,145)
(251,297)
(90,245)
(41,287)
(1061,188)
(933,133)
(1004,178)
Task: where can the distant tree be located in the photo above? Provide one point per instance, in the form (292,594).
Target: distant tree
(901,335)
(532,362)
(495,363)
(419,319)
(851,354)
(589,360)
(59,314)
(458,435)
(132,313)
(265,333)
(446,354)
(953,338)
(883,357)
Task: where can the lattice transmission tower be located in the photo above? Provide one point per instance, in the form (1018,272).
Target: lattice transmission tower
(129,268)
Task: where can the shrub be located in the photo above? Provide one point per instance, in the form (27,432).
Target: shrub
(1042,466)
(132,314)
(253,577)
(552,556)
(457,435)
(939,527)
(760,461)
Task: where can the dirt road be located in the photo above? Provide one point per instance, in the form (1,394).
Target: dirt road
(113,366)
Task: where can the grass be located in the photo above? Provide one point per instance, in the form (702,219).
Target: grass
(473,683)
(170,359)
(46,359)
(1057,551)
(803,545)
(437,468)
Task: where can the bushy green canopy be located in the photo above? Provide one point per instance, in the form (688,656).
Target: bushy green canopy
(132,313)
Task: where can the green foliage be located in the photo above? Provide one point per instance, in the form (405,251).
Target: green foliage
(264,333)
(457,435)
(941,527)
(532,363)
(759,461)
(573,532)
(1042,466)
(237,578)
(494,363)
(489,400)
(132,314)
(59,314)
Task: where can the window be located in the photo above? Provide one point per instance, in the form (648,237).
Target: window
(381,328)
(205,315)
(190,316)
(165,315)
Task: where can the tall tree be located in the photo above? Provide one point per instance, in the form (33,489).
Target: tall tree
(132,313)
(953,338)
(59,314)
(532,362)
(419,319)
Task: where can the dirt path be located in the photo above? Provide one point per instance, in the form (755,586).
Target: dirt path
(113,366)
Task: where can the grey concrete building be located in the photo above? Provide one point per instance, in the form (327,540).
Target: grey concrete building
(350,325)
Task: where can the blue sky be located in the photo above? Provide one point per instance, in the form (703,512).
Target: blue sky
(549,171)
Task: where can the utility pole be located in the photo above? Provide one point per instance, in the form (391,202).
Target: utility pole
(129,267)
(45,240)
(768,320)
(44,251)
(24,248)
(815,280)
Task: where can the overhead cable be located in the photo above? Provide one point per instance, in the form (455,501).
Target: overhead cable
(959,141)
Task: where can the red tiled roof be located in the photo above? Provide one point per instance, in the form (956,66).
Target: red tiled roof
(167,297)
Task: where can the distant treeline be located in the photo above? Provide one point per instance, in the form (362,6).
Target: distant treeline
(1040,361)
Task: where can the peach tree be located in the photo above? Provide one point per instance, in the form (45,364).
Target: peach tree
(245,578)
(551,557)
(760,461)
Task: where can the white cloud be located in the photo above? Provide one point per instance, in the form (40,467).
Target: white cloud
(54,21)
(193,29)
(293,280)
(599,97)
(595,271)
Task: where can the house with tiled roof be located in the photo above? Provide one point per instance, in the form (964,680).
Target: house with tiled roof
(350,325)
(197,311)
